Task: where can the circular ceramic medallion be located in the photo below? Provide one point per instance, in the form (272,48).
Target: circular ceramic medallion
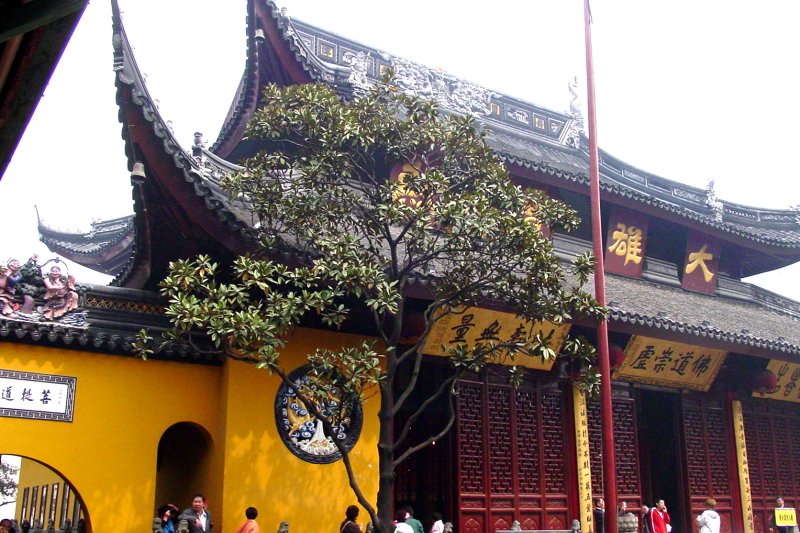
(300,430)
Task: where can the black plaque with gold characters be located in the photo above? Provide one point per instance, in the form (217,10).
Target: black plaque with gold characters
(301,431)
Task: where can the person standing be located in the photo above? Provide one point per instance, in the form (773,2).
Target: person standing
(659,518)
(197,515)
(415,524)
(438,525)
(349,524)
(709,520)
(622,508)
(168,513)
(647,526)
(401,526)
(250,525)
(599,515)
(779,504)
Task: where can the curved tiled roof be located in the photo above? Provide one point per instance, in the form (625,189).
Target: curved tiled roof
(522,133)
(103,235)
(201,169)
(655,306)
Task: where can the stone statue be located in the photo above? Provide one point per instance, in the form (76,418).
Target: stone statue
(157,525)
(515,526)
(716,206)
(60,296)
(448,527)
(67,526)
(284,527)
(183,527)
(11,278)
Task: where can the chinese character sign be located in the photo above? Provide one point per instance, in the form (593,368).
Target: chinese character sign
(475,325)
(671,364)
(788,386)
(404,193)
(625,243)
(582,452)
(744,469)
(41,396)
(700,264)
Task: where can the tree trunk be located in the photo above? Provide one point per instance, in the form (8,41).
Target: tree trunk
(386,457)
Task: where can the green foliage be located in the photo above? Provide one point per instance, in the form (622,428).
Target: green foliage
(8,482)
(366,197)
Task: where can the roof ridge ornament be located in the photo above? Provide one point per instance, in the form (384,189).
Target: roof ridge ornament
(574,129)
(796,209)
(359,66)
(448,91)
(713,202)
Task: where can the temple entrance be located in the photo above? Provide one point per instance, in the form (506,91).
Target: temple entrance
(184,453)
(660,452)
(35,493)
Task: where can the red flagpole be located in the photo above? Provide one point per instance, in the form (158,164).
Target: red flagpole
(609,468)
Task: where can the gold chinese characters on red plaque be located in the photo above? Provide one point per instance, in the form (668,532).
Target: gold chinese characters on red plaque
(625,243)
(670,364)
(787,387)
(475,325)
(701,263)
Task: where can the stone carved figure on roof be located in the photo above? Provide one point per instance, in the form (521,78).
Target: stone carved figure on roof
(716,206)
(359,65)
(796,209)
(574,128)
(412,78)
(13,289)
(60,295)
(575,101)
(449,92)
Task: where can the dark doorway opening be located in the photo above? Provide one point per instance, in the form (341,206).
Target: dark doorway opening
(426,480)
(660,450)
(184,455)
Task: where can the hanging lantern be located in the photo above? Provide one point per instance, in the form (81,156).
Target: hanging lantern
(413,326)
(764,381)
(616,355)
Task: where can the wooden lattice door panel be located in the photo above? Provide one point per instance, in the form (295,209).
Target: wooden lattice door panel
(511,455)
(709,458)
(772,436)
(626,448)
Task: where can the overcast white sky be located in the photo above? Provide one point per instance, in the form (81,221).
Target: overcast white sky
(687,89)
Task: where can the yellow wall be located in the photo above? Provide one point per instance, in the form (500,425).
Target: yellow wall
(123,406)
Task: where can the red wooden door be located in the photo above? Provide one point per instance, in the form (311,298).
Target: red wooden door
(512,455)
(710,459)
(772,433)
(626,446)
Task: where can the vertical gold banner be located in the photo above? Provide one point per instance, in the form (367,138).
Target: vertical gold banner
(744,469)
(582,452)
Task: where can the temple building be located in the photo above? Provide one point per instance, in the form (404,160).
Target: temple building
(706,367)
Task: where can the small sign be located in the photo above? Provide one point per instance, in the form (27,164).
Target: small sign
(787,388)
(785,517)
(36,396)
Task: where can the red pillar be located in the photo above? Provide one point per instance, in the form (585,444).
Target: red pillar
(609,468)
